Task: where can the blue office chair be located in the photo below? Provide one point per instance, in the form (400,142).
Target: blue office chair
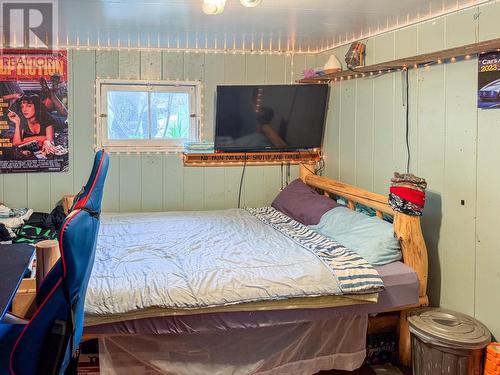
(46,343)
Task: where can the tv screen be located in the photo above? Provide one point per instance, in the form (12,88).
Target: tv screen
(270,117)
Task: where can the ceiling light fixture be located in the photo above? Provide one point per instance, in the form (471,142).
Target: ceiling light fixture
(250,3)
(213,6)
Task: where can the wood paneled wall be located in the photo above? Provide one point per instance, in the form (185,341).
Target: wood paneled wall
(453,145)
(156,182)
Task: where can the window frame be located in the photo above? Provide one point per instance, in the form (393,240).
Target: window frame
(103,86)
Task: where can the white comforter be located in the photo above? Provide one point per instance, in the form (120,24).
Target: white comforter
(198,259)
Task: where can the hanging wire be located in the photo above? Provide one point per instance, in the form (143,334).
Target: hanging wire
(241,180)
(407,86)
(282,178)
(319,168)
(287,173)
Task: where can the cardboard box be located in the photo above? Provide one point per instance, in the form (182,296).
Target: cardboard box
(83,370)
(23,304)
(88,364)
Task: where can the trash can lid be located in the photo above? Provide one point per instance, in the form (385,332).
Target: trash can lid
(448,328)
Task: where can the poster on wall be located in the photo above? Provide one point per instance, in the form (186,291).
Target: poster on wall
(489,80)
(33,111)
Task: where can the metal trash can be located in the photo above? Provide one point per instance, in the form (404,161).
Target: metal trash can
(446,342)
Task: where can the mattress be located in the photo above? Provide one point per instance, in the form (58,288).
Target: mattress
(182,263)
(401,289)
(269,305)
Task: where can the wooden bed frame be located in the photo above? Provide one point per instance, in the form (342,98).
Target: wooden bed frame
(407,229)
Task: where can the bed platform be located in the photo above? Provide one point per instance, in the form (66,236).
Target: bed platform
(405,288)
(406,228)
(401,288)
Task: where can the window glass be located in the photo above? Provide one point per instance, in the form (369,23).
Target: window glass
(128,115)
(170,115)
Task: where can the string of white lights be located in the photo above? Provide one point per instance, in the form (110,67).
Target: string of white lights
(230,51)
(139,150)
(426,66)
(432,15)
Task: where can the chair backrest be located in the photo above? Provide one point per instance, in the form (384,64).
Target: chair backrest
(61,296)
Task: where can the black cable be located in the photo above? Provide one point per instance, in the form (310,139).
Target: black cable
(241,180)
(306,167)
(281,168)
(322,167)
(288,173)
(321,164)
(407,121)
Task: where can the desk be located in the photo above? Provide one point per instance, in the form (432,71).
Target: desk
(14,259)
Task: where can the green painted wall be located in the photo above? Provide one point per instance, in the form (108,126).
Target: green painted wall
(156,182)
(453,145)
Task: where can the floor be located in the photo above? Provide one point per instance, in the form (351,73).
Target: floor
(386,369)
(89,364)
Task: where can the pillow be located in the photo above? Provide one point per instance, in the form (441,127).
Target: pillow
(302,203)
(369,237)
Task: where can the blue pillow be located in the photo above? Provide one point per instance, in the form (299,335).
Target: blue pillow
(370,237)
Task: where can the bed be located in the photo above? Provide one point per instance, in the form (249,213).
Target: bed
(292,320)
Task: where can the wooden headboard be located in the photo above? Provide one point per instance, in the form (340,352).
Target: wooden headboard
(406,228)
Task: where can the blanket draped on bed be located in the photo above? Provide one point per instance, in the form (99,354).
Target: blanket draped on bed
(353,273)
(189,260)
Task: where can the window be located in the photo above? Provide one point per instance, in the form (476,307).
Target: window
(143,116)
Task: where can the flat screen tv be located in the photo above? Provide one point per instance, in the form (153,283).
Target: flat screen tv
(270,117)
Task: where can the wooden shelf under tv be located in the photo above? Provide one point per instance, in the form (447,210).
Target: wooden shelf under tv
(422,60)
(232,159)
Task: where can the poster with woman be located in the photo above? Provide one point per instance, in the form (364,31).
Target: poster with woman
(33,111)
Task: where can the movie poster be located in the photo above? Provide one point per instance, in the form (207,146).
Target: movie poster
(489,80)
(33,111)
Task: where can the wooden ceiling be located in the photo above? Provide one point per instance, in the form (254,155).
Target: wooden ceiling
(276,25)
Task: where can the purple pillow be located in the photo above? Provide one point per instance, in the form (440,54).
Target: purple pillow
(303,203)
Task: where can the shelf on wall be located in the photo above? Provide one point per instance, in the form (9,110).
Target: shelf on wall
(410,62)
(252,158)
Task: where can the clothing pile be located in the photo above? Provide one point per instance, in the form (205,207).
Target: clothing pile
(14,217)
(407,193)
(22,225)
(41,226)
(6,234)
(11,220)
